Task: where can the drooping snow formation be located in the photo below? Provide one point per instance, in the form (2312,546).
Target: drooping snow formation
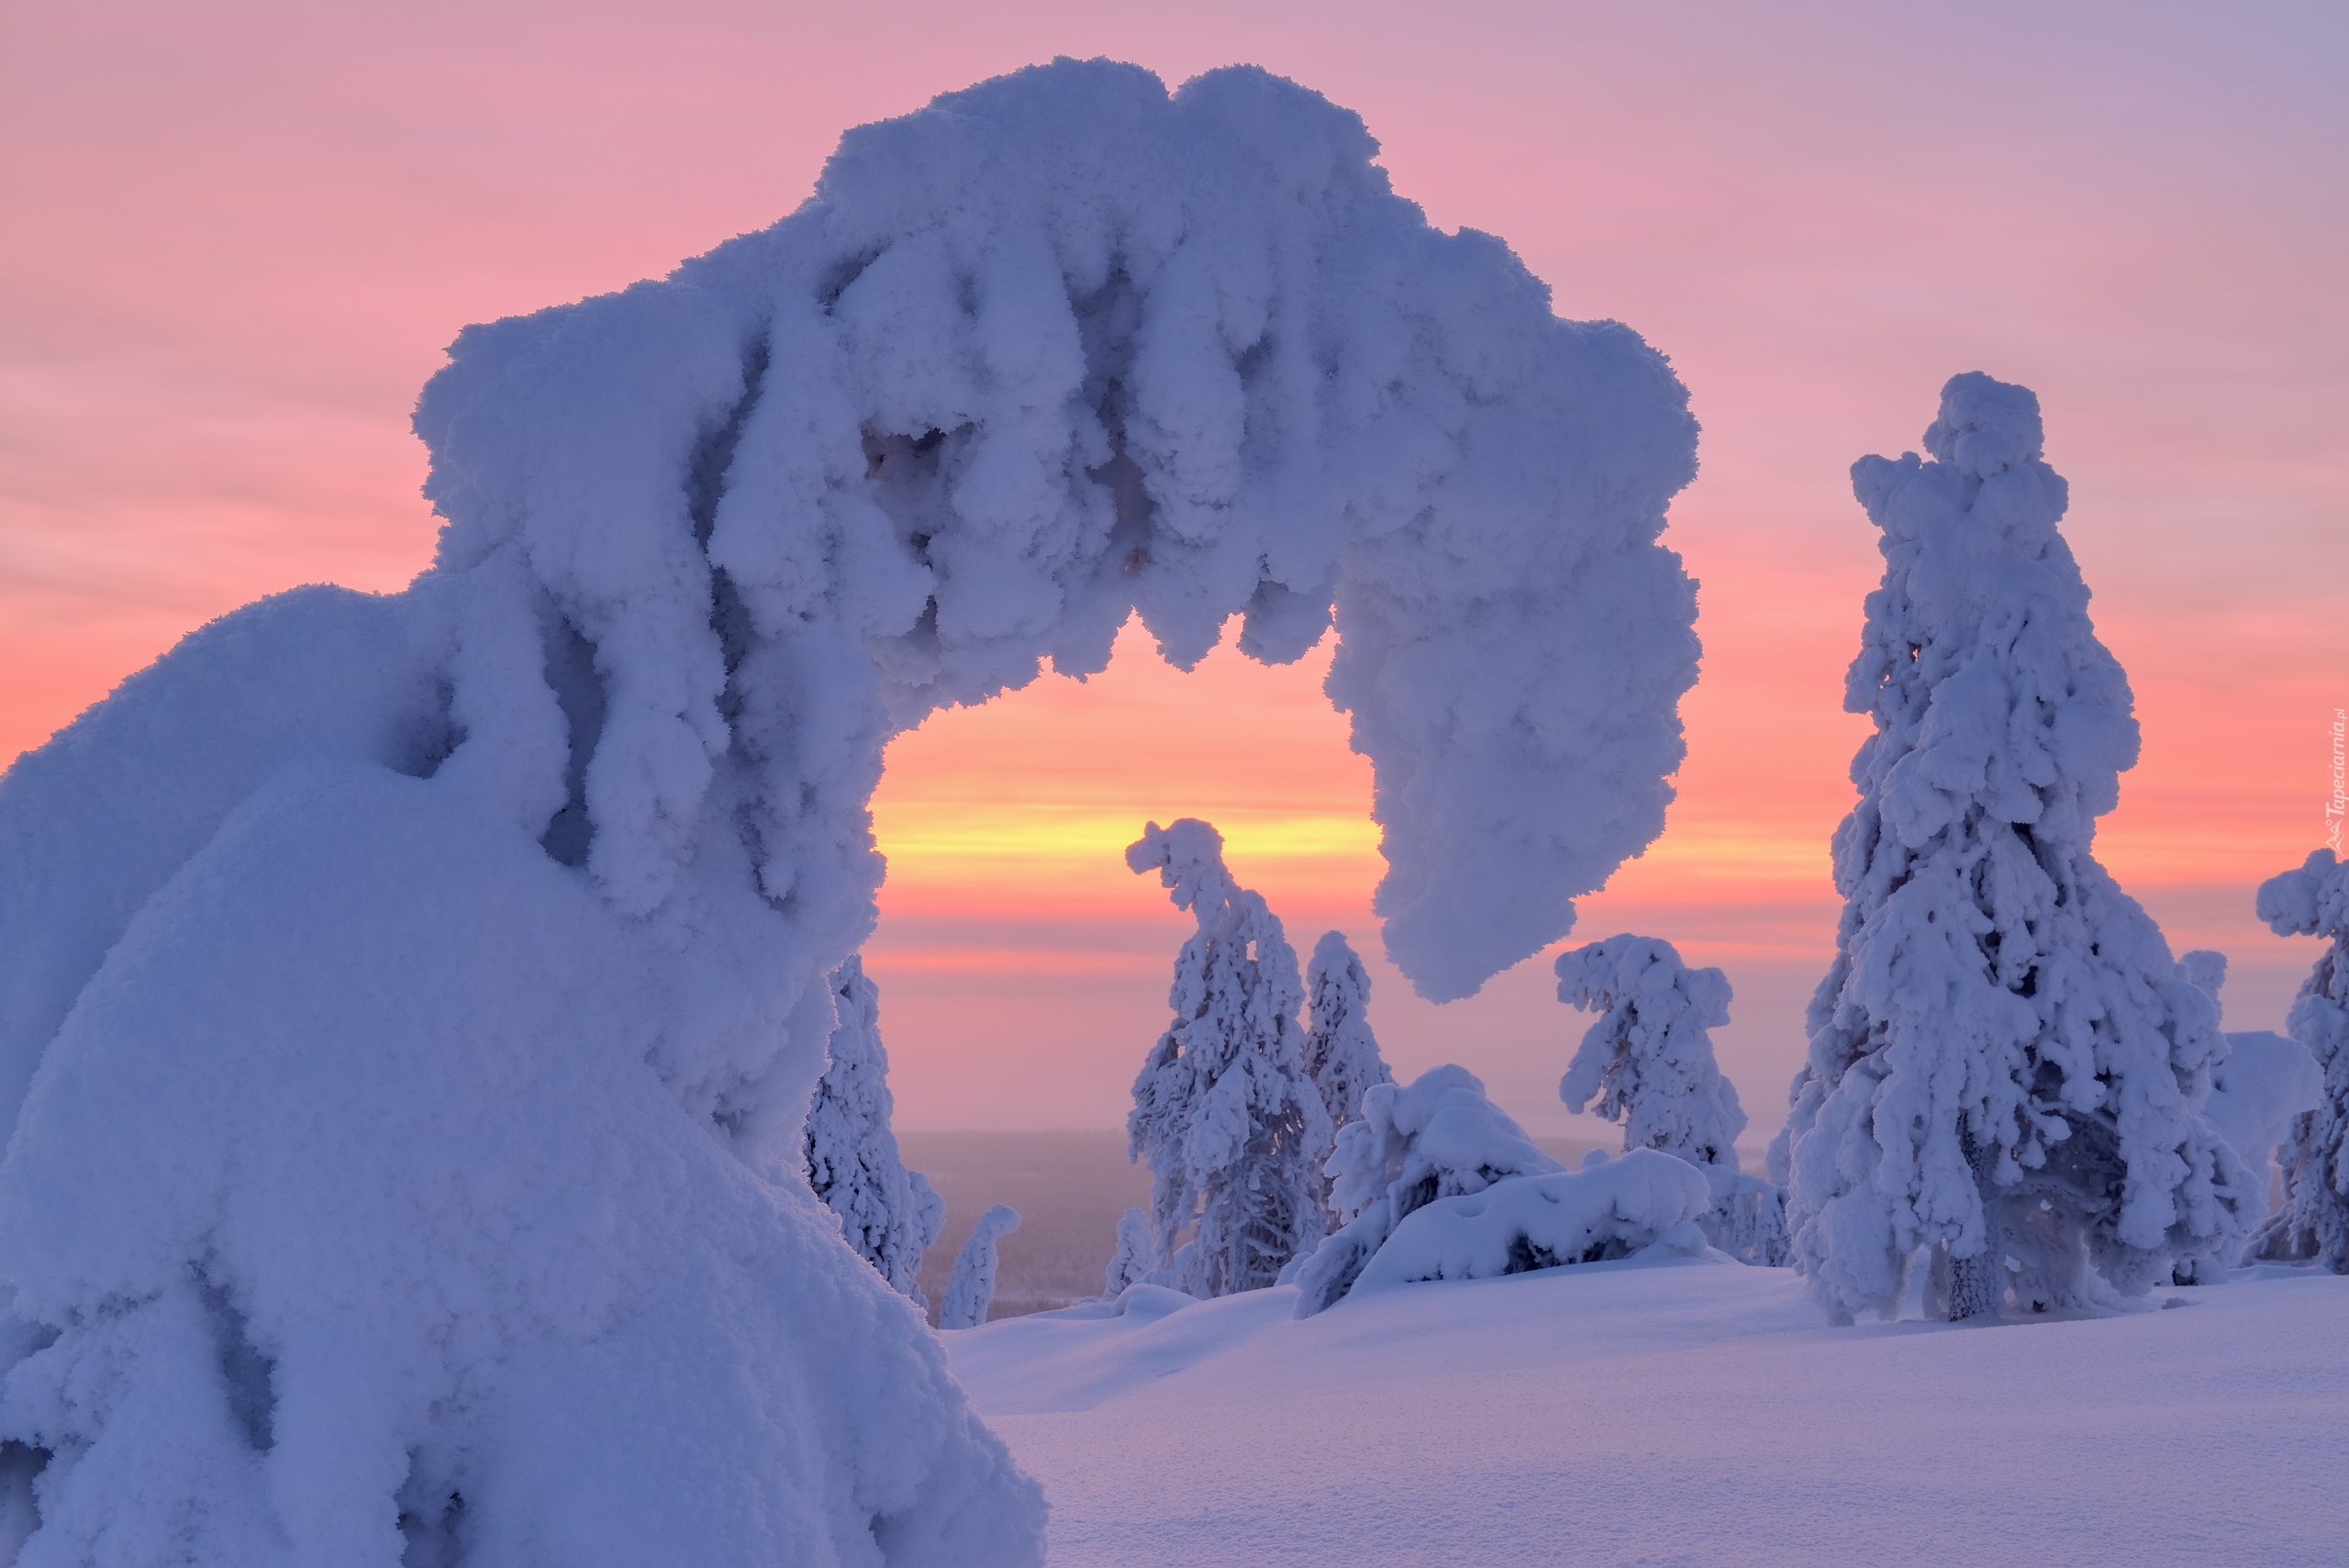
(1438,1137)
(2005,1063)
(1232,1131)
(423,993)
(889,1214)
(1649,1061)
(2314,1221)
(1341,1054)
(1136,1259)
(2259,1086)
(970,1290)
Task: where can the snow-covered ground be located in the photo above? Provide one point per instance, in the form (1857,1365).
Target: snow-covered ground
(1690,1412)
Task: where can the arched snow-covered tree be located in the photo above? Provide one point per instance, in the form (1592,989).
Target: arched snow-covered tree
(2313,1224)
(888,1213)
(970,1290)
(1136,1258)
(1233,1131)
(1649,1061)
(2005,1064)
(447,1016)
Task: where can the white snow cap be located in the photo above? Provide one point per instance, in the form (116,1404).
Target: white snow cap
(1649,1059)
(2000,1020)
(970,1290)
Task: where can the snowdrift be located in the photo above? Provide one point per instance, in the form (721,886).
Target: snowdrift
(408,1005)
(1677,1411)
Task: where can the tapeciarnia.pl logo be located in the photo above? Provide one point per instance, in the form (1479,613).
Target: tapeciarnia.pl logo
(2335,809)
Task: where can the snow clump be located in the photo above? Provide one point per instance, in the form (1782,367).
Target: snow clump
(414,1001)
(1649,1061)
(889,1214)
(2314,1221)
(970,1290)
(1439,1136)
(2005,1064)
(1232,1128)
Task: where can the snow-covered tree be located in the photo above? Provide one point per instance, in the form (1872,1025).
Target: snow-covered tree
(2259,1087)
(1232,1129)
(888,1213)
(1341,1054)
(2005,1065)
(2314,1220)
(1136,1258)
(1438,1136)
(1649,1061)
(970,1290)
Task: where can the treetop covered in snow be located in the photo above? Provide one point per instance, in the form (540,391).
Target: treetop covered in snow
(1056,349)
(1649,1059)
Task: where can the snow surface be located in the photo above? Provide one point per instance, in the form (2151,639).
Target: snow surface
(1689,1413)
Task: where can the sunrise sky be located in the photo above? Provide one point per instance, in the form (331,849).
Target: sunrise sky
(240,234)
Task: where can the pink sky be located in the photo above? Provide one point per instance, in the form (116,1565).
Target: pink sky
(240,234)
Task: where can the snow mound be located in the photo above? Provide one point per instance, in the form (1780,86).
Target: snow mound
(1438,1137)
(1602,1211)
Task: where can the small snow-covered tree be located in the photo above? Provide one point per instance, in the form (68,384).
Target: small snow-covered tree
(2263,1082)
(1232,1128)
(1438,1137)
(2313,1224)
(888,1213)
(1136,1258)
(1649,1061)
(970,1290)
(2005,1065)
(1341,1054)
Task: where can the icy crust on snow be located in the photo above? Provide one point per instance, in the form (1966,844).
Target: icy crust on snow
(417,999)
(2000,1020)
(2314,900)
(1056,347)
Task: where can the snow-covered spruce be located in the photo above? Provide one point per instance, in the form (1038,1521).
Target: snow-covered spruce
(2314,1221)
(970,1290)
(1438,1136)
(1649,1061)
(1232,1131)
(2005,1064)
(2263,1081)
(888,1213)
(1135,1261)
(1341,1054)
(419,996)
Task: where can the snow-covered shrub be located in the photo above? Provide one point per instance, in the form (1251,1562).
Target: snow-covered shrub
(1607,1209)
(2259,1086)
(419,996)
(2314,1220)
(888,1213)
(1649,1059)
(1135,1261)
(2005,1064)
(1439,1136)
(1232,1128)
(970,1290)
